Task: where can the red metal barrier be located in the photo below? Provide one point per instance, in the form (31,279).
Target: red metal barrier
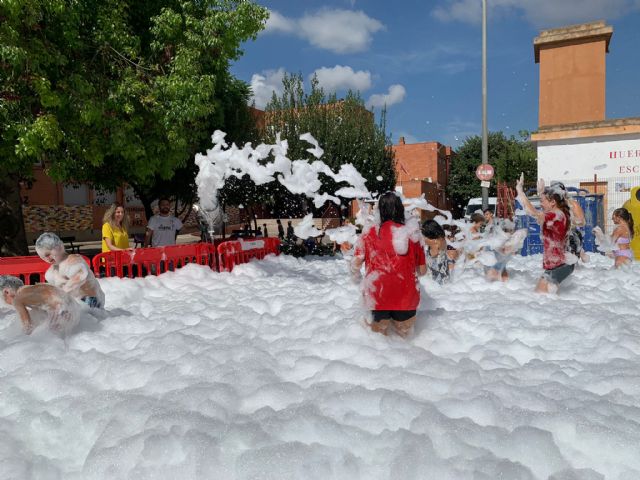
(152,261)
(241,251)
(29,269)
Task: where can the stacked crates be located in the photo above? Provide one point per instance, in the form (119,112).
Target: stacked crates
(593,206)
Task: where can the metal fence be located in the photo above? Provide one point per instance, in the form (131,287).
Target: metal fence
(616,191)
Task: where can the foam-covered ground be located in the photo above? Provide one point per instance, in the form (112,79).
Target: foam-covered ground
(268,373)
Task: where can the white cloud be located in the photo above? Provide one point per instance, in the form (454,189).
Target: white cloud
(343,78)
(279,23)
(395,95)
(540,13)
(340,31)
(263,85)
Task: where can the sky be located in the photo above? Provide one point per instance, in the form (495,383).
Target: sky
(423,59)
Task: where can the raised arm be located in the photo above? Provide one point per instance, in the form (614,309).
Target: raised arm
(577,214)
(526,204)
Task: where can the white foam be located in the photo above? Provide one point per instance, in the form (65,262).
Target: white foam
(269,372)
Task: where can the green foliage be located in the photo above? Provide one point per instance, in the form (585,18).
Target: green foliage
(117,91)
(509,157)
(344,128)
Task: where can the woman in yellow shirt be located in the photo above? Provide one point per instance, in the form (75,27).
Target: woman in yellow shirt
(114,229)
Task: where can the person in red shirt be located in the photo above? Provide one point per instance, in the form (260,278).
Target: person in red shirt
(555,219)
(392,262)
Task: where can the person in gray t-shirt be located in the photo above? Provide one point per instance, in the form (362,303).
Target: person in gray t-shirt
(163,228)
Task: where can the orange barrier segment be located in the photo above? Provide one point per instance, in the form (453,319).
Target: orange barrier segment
(242,251)
(220,256)
(30,269)
(154,261)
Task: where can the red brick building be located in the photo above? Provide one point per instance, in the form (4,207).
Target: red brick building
(423,168)
(72,210)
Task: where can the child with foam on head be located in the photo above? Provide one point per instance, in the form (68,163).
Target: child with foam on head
(69,272)
(555,221)
(576,239)
(393,259)
(507,241)
(62,310)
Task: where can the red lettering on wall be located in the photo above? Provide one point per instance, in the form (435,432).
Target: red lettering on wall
(629,169)
(624,154)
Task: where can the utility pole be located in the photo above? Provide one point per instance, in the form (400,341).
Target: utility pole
(485,140)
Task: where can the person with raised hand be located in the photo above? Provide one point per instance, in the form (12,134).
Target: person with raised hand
(555,221)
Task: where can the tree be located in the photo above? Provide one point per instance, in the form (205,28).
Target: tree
(344,128)
(113,92)
(239,124)
(509,157)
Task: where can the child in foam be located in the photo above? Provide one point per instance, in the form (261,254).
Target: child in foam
(555,219)
(62,310)
(575,242)
(440,259)
(477,225)
(392,258)
(621,236)
(508,241)
(69,272)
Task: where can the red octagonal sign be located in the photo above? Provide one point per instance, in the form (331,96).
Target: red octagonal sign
(484,172)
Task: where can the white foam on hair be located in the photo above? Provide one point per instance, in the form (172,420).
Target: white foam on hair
(48,241)
(9,281)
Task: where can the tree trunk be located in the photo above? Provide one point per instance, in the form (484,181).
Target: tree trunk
(146,202)
(13,240)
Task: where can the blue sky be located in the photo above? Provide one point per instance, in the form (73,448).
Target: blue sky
(423,58)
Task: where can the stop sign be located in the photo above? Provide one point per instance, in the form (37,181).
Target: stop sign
(484,172)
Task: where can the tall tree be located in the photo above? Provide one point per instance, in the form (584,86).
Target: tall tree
(509,156)
(345,129)
(112,92)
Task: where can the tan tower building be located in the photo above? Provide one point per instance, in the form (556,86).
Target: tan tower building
(576,143)
(572,73)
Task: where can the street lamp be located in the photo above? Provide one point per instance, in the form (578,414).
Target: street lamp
(485,141)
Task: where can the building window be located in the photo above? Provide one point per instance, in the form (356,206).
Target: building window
(75,194)
(103,197)
(131,199)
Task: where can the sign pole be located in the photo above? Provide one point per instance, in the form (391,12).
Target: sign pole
(485,141)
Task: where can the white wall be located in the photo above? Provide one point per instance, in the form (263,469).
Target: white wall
(611,156)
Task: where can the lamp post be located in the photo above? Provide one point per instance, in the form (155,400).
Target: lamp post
(485,141)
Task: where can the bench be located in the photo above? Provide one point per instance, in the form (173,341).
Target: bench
(68,243)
